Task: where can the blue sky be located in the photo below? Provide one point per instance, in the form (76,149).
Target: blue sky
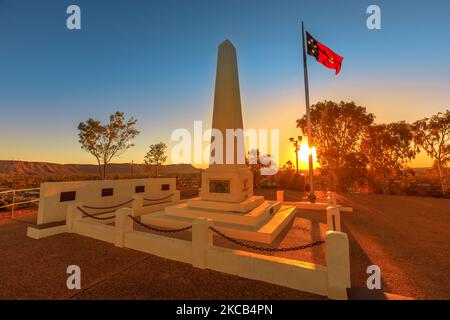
(155,60)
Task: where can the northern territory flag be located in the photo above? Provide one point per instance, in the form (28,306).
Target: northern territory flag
(323,54)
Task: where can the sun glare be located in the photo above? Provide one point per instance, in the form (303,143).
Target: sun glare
(303,156)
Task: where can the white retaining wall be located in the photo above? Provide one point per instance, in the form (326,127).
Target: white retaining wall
(51,209)
(331,280)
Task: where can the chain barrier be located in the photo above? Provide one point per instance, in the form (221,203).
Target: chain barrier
(153,204)
(249,246)
(157,229)
(112,207)
(191,194)
(94,216)
(163,198)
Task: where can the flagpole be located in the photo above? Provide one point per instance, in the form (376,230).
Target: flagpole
(312,197)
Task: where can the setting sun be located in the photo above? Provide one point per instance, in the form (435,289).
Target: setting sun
(303,155)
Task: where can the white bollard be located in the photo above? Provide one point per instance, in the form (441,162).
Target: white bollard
(333,219)
(338,265)
(202,240)
(137,204)
(280,195)
(72,215)
(331,200)
(123,225)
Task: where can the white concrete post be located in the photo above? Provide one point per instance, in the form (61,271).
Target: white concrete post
(333,219)
(202,240)
(124,224)
(338,265)
(176,196)
(331,200)
(280,195)
(137,204)
(72,215)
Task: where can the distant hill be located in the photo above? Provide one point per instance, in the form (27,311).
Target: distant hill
(46,168)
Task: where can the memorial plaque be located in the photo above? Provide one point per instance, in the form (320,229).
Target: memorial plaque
(107,192)
(139,189)
(67,196)
(219,186)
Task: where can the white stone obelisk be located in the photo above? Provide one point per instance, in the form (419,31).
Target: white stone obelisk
(227,178)
(227,112)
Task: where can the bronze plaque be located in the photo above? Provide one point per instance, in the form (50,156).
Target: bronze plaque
(107,192)
(67,196)
(139,189)
(219,186)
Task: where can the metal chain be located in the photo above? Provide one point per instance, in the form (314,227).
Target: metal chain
(190,194)
(249,246)
(154,204)
(163,198)
(97,218)
(112,207)
(159,230)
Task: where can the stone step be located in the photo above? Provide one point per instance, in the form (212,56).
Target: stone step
(244,206)
(265,233)
(251,219)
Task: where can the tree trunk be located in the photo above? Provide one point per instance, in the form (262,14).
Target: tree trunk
(104,170)
(442,178)
(99,169)
(386,185)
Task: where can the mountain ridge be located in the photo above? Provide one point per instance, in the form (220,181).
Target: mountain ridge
(37,168)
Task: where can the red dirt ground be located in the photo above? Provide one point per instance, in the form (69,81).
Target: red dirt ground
(407,237)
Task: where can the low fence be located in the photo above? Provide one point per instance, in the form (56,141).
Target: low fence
(28,197)
(331,280)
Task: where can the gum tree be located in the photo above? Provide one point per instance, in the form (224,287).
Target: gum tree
(156,156)
(387,148)
(337,131)
(433,136)
(106,141)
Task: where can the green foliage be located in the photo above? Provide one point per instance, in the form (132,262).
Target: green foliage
(354,152)
(387,149)
(432,135)
(337,131)
(289,166)
(107,141)
(156,156)
(256,161)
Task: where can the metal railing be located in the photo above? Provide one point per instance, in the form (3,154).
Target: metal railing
(15,203)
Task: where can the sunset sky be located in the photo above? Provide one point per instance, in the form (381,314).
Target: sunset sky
(155,60)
